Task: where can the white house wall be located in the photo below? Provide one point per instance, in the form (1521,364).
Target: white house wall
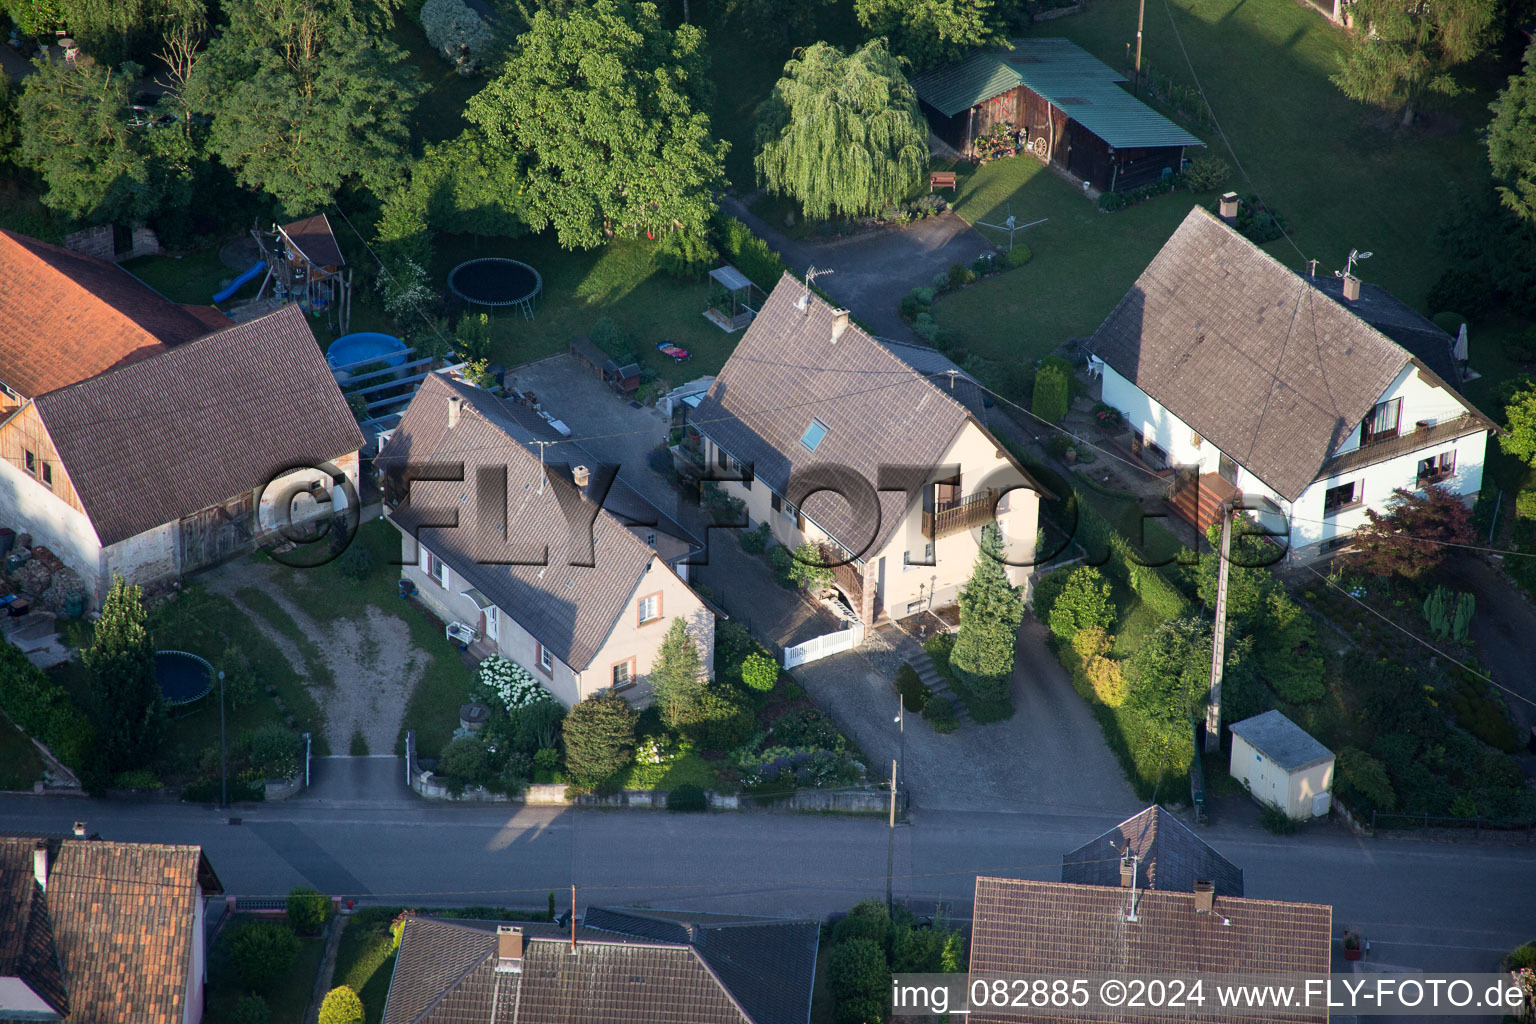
(144,558)
(285,487)
(26,506)
(1421,402)
(197,970)
(1146,416)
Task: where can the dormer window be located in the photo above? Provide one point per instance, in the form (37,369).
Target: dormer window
(813,434)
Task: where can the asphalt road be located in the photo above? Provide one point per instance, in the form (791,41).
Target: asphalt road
(1422,905)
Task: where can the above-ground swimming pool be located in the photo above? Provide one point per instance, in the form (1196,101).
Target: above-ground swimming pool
(496,281)
(364,346)
(183,677)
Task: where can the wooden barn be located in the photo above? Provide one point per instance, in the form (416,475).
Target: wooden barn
(1065,106)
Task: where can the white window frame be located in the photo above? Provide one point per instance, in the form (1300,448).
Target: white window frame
(546,660)
(652,600)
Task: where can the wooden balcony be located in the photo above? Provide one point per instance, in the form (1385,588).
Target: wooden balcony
(974,511)
(849,578)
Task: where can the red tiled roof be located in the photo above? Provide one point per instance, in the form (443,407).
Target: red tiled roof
(65,316)
(124,916)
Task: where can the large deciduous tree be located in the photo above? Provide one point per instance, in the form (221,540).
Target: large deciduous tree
(1412,537)
(1519,438)
(305,98)
(933,32)
(990,613)
(126,698)
(841,133)
(1404,51)
(108,30)
(1512,140)
(601,110)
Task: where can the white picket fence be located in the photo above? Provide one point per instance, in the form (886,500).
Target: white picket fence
(824,646)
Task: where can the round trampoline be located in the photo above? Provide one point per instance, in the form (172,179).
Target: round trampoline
(496,281)
(183,677)
(363,347)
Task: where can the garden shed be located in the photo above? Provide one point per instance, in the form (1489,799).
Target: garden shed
(1282,765)
(1053,98)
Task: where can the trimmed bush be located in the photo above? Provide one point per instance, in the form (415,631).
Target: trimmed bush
(271,752)
(939,712)
(599,738)
(250,1010)
(1464,290)
(308,910)
(941,281)
(1019,255)
(1053,394)
(342,1006)
(859,978)
(924,296)
(868,920)
(1207,173)
(356,563)
(748,253)
(960,275)
(910,307)
(755,541)
(759,672)
(263,952)
(914,693)
(687,798)
(1084,603)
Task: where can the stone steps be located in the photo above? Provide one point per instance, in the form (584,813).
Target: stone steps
(913,654)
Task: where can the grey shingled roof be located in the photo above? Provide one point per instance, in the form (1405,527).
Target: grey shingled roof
(1071,78)
(445,973)
(1172,858)
(787,370)
(570,609)
(197,424)
(1398,321)
(768,964)
(1282,741)
(1264,366)
(936,366)
(1053,928)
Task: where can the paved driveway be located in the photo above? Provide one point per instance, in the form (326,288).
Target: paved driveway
(1050,757)
(873,270)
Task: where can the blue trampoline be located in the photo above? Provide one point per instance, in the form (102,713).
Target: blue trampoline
(184,678)
(364,347)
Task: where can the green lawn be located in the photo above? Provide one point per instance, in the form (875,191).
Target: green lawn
(191,279)
(620,281)
(1336,171)
(288,1000)
(365,960)
(263,604)
(327,595)
(20,763)
(687,770)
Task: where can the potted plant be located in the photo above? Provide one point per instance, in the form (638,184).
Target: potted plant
(1354,949)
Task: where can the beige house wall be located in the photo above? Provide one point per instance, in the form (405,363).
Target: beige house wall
(1271,784)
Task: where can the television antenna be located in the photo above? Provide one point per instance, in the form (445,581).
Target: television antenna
(811,274)
(1355,256)
(1011,225)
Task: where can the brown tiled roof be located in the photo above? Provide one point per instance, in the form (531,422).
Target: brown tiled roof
(877,409)
(445,973)
(315,240)
(124,915)
(1266,367)
(149,443)
(1171,857)
(65,316)
(1027,927)
(570,609)
(27,947)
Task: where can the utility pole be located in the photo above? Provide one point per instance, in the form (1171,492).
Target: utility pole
(1219,637)
(1141,14)
(890,847)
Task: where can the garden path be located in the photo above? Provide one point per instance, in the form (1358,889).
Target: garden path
(373,663)
(1502,628)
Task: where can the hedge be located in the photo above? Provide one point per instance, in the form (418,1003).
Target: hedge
(42,708)
(1150,583)
(748,253)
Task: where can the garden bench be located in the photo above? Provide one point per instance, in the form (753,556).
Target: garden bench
(941,179)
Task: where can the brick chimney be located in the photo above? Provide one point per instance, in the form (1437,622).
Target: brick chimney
(509,949)
(455,406)
(40,864)
(1229,207)
(1351,288)
(1127,872)
(581,475)
(1205,897)
(839,324)
(79,830)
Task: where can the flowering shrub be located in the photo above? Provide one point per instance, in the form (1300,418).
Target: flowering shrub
(512,684)
(797,766)
(455,31)
(652,751)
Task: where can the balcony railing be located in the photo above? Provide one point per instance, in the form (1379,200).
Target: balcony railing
(979,508)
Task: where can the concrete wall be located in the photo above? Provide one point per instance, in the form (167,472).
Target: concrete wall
(149,556)
(285,487)
(1271,784)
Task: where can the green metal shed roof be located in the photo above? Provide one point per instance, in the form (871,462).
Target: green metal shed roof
(1066,75)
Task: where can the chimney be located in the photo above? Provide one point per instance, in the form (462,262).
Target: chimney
(40,864)
(839,324)
(79,830)
(509,949)
(1351,288)
(1229,207)
(455,405)
(1127,872)
(581,474)
(1205,897)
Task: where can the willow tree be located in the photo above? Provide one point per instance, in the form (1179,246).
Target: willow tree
(841,133)
(1405,52)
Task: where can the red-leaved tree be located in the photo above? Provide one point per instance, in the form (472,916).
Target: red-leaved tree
(1411,538)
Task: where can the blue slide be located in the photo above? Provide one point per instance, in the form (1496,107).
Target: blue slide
(240,281)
